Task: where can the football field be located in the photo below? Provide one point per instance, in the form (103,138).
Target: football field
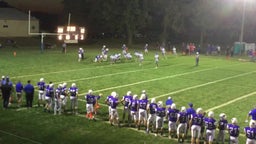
(218,84)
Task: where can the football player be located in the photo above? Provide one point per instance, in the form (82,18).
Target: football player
(152,114)
(73,91)
(49,95)
(57,100)
(143,102)
(63,96)
(233,130)
(182,119)
(210,124)
(41,92)
(134,105)
(107,102)
(172,114)
(160,114)
(250,132)
(90,99)
(126,101)
(113,103)
(195,125)
(222,125)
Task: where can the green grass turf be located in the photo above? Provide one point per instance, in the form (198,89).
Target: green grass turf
(214,82)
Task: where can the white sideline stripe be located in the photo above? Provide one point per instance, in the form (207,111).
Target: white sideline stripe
(20,137)
(232,101)
(201,85)
(155,79)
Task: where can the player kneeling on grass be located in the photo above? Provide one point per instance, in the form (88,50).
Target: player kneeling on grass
(210,124)
(134,105)
(57,100)
(143,102)
(196,123)
(41,92)
(151,108)
(172,114)
(182,119)
(222,125)
(90,98)
(73,91)
(126,111)
(233,130)
(63,97)
(49,96)
(250,132)
(113,102)
(160,114)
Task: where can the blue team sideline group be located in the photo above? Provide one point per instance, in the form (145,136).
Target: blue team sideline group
(139,111)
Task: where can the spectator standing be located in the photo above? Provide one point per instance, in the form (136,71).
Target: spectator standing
(6,93)
(29,92)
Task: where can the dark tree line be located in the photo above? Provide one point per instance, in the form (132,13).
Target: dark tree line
(201,21)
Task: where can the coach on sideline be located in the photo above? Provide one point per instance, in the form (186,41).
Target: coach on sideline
(6,89)
(29,92)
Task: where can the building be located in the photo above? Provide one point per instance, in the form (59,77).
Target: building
(14,23)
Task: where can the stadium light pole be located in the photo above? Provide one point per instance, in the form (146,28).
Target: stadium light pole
(242,25)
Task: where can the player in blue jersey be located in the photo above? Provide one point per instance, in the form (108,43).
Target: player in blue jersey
(252,114)
(113,103)
(197,58)
(19,89)
(143,102)
(107,102)
(49,95)
(57,100)
(126,111)
(222,125)
(210,125)
(182,120)
(195,125)
(152,114)
(233,130)
(41,92)
(63,96)
(160,114)
(250,132)
(73,92)
(90,99)
(134,106)
(172,114)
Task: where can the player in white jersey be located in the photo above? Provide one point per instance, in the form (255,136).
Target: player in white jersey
(156,59)
(141,58)
(146,48)
(174,52)
(163,51)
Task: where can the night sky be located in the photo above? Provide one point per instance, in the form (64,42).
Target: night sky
(49,6)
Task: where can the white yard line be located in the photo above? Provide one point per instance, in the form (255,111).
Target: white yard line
(205,84)
(151,80)
(232,101)
(20,137)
